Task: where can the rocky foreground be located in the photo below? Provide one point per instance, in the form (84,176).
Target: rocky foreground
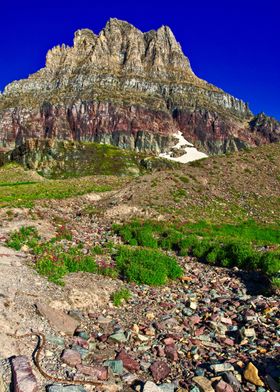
(213,330)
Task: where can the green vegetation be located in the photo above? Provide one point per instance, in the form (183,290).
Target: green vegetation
(23,193)
(247,245)
(54,259)
(120,295)
(146,266)
(25,236)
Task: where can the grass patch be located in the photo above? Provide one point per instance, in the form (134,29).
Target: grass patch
(26,194)
(25,236)
(56,258)
(248,246)
(146,266)
(119,296)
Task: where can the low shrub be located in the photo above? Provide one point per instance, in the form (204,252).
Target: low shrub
(119,296)
(146,266)
(270,263)
(24,236)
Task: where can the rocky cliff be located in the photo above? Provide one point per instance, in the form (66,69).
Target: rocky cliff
(127,88)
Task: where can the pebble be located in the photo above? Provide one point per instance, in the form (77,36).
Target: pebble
(151,387)
(115,365)
(58,319)
(222,367)
(95,371)
(71,357)
(223,387)
(23,377)
(66,388)
(232,381)
(128,362)
(160,370)
(251,374)
(203,383)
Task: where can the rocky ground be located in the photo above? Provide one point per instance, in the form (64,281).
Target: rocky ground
(212,330)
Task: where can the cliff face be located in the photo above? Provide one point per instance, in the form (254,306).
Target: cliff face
(127,88)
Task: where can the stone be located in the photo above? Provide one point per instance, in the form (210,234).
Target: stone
(203,383)
(58,319)
(96,371)
(81,350)
(230,379)
(247,333)
(222,367)
(151,387)
(24,379)
(251,374)
(223,387)
(118,337)
(84,335)
(128,362)
(115,365)
(273,385)
(171,352)
(56,340)
(160,370)
(66,388)
(71,357)
(167,387)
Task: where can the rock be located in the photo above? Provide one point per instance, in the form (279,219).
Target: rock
(167,387)
(273,385)
(56,340)
(118,337)
(128,362)
(115,365)
(81,350)
(203,383)
(58,320)
(247,333)
(160,370)
(223,387)
(71,357)
(171,352)
(222,367)
(66,388)
(230,379)
(84,335)
(251,374)
(24,379)
(24,248)
(151,387)
(95,371)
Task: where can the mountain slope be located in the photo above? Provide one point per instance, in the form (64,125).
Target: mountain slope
(122,86)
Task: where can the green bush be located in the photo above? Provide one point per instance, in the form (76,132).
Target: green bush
(222,245)
(270,263)
(146,266)
(24,236)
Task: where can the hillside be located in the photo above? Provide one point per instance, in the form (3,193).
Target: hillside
(192,284)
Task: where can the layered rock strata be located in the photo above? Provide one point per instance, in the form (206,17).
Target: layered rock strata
(127,88)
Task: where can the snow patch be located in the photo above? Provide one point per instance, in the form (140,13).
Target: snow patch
(191,153)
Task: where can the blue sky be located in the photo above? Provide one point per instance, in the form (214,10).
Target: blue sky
(232,44)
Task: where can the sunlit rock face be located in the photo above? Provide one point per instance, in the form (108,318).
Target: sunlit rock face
(127,88)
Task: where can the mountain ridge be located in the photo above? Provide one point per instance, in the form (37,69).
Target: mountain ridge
(120,87)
